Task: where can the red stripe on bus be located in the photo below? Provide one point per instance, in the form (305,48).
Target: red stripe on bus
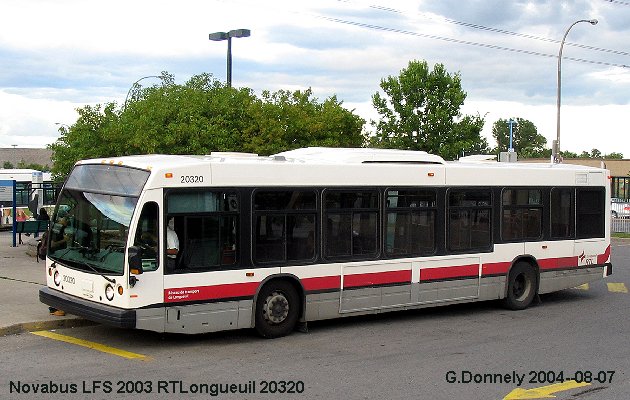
(321,283)
(461,271)
(197,293)
(377,278)
(557,263)
(602,258)
(500,268)
(248,289)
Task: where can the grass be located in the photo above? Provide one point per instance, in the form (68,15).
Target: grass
(622,235)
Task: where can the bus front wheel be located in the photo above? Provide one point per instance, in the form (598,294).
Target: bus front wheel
(277,309)
(521,288)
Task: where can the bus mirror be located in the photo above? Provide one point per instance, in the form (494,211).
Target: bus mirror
(135,260)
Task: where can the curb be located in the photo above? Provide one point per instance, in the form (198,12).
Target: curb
(44,326)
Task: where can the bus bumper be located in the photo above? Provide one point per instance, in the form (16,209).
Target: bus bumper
(101,313)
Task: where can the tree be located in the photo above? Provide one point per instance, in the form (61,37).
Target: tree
(89,137)
(594,153)
(39,167)
(201,116)
(420,111)
(290,120)
(526,140)
(614,156)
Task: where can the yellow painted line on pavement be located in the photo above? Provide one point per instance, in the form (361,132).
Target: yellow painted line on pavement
(543,392)
(91,345)
(582,287)
(617,287)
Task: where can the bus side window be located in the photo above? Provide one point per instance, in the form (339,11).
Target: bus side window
(147,236)
(206,223)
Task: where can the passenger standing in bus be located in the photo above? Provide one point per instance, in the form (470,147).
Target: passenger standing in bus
(172,245)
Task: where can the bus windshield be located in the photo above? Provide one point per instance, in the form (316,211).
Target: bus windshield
(91,222)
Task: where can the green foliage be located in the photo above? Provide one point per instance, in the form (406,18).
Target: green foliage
(202,116)
(527,142)
(420,111)
(290,120)
(92,135)
(613,156)
(7,165)
(35,166)
(594,153)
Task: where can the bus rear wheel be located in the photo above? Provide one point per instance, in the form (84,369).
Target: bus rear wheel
(521,288)
(277,309)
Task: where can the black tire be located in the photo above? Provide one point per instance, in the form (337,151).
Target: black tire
(521,287)
(277,309)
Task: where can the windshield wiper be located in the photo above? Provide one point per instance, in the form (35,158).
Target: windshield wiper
(93,268)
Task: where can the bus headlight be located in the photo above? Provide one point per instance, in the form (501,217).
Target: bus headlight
(109,292)
(57,278)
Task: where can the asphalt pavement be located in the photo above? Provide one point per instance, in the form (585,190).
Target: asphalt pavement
(21,277)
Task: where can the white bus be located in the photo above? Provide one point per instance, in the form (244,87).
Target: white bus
(317,233)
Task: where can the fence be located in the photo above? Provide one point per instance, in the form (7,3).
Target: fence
(619,225)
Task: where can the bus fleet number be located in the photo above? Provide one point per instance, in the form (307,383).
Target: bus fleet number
(192,179)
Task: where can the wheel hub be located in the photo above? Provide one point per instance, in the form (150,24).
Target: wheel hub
(276,308)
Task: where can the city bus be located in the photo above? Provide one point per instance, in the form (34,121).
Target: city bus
(274,242)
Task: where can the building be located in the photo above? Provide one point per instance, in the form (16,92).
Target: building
(15,155)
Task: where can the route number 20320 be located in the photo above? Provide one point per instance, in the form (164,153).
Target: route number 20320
(191,179)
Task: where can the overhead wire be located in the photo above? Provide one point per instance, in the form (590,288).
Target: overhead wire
(625,3)
(465,42)
(504,32)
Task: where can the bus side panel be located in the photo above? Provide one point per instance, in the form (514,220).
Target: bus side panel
(219,300)
(449,279)
(368,286)
(151,319)
(586,265)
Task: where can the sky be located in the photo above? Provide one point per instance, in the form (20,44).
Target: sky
(57,56)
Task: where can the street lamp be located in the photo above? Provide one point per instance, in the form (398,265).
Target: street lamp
(134,85)
(63,126)
(235,33)
(555,151)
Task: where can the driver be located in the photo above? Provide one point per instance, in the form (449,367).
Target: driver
(172,245)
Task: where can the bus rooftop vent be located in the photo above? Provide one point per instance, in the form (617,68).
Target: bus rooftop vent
(361,155)
(478,158)
(232,154)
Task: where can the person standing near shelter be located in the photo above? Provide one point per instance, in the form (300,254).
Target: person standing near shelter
(43,215)
(20,217)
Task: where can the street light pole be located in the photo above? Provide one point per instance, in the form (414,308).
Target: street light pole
(235,33)
(555,148)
